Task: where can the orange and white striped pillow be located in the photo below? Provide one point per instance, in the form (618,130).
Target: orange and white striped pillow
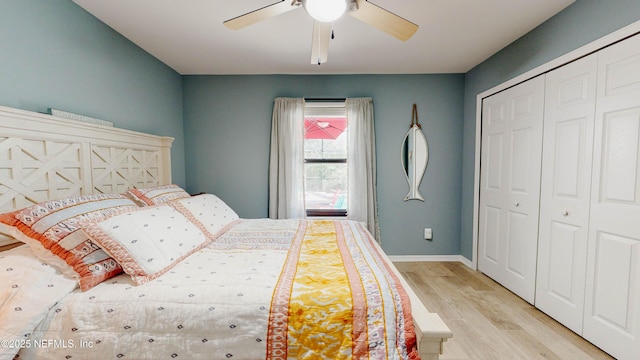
(54,226)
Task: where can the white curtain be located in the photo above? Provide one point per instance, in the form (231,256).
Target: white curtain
(361,162)
(286,167)
(286,164)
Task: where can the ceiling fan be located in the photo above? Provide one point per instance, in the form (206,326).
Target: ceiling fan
(324,13)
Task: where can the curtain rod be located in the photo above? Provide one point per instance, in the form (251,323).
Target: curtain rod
(325,99)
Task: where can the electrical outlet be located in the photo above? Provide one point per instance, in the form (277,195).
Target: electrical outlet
(427,234)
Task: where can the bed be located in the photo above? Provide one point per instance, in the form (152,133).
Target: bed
(135,286)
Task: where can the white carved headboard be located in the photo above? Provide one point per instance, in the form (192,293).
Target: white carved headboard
(43,157)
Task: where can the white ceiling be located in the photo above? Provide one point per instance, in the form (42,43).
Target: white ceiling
(188,35)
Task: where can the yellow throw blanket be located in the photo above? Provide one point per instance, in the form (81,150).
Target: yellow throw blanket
(337,299)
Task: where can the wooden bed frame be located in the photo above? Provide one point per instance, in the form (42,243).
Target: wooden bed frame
(44,157)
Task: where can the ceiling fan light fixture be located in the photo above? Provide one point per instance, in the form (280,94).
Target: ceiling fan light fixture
(325,10)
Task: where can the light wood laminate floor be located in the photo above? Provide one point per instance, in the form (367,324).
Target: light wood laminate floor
(487,320)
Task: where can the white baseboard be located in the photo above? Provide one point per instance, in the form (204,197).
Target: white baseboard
(432,258)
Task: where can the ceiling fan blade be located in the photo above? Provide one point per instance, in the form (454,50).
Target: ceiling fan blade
(268,11)
(320,42)
(384,20)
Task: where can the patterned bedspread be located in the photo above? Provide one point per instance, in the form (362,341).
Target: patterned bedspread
(334,299)
(287,290)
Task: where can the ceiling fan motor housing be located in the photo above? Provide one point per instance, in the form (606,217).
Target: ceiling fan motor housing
(325,10)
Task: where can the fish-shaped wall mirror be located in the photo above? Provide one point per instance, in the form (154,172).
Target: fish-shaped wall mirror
(415,155)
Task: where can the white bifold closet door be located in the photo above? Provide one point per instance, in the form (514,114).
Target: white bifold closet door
(612,303)
(510,186)
(570,98)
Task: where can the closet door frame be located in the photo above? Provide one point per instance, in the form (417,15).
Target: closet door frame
(596,45)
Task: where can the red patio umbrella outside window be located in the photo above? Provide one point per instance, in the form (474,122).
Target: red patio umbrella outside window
(324,128)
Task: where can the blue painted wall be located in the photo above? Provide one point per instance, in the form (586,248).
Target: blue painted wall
(228,125)
(54,54)
(577,25)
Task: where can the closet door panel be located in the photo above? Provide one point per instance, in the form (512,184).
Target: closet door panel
(516,245)
(562,261)
(492,228)
(518,239)
(614,267)
(510,186)
(612,304)
(568,158)
(570,96)
(619,157)
(493,198)
(495,152)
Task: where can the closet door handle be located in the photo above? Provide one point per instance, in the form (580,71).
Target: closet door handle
(565,213)
(516,204)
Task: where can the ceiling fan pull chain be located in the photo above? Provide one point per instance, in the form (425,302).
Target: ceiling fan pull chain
(319,46)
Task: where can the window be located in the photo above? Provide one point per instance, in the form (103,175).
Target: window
(325,159)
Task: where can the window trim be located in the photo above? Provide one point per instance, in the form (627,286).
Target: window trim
(326,212)
(326,161)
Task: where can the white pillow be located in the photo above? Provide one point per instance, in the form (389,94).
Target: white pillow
(150,241)
(208,209)
(29,287)
(157,195)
